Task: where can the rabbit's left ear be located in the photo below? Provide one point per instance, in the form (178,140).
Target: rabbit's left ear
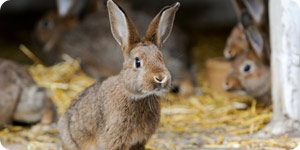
(161,26)
(253,34)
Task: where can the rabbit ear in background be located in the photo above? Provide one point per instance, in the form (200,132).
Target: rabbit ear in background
(122,27)
(70,7)
(256,8)
(253,34)
(161,26)
(64,6)
(238,6)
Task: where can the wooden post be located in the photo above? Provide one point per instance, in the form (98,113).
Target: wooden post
(285,65)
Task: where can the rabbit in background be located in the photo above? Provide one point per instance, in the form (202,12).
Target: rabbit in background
(89,40)
(123,112)
(252,76)
(250,69)
(21,99)
(254,20)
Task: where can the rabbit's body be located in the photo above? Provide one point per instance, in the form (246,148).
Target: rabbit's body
(21,99)
(124,120)
(90,41)
(123,112)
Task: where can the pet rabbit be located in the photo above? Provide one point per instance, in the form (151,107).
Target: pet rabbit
(21,99)
(90,41)
(124,111)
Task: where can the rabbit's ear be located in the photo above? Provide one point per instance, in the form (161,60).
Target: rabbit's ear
(253,34)
(256,9)
(64,6)
(70,7)
(122,27)
(161,26)
(238,6)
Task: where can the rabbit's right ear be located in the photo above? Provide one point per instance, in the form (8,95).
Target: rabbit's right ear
(253,34)
(161,26)
(122,27)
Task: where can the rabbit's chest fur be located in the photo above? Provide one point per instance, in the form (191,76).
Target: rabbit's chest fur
(136,119)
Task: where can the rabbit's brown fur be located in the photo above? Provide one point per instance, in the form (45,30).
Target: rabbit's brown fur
(124,111)
(251,75)
(237,43)
(232,82)
(21,99)
(252,16)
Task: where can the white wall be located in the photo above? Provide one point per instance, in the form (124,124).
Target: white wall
(285,62)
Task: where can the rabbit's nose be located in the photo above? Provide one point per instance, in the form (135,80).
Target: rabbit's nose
(160,79)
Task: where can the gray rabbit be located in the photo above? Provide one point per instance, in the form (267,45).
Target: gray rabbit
(21,99)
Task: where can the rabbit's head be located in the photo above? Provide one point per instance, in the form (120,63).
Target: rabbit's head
(51,27)
(144,71)
(252,73)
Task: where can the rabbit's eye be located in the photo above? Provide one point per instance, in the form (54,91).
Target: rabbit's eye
(137,62)
(247,68)
(47,24)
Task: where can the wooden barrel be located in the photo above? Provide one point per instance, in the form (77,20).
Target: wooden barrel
(217,69)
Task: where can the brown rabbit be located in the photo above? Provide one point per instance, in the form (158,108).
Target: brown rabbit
(124,111)
(237,42)
(21,99)
(90,41)
(250,69)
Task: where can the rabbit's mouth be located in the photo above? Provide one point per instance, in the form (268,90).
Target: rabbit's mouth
(142,93)
(158,92)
